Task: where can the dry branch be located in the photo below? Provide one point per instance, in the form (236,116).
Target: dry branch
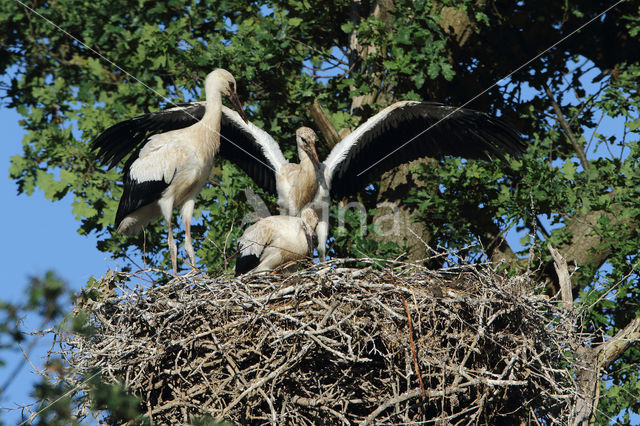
(564,279)
(324,124)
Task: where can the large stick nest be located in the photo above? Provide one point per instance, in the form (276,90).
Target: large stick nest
(332,344)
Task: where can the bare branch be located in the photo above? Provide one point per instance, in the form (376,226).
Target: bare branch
(324,124)
(564,279)
(565,126)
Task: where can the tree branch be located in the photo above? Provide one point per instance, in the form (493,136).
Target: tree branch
(324,124)
(591,362)
(587,246)
(560,265)
(565,126)
(613,349)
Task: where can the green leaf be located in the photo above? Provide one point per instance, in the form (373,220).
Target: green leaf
(347,27)
(569,169)
(404,35)
(433,70)
(95,67)
(294,22)
(82,210)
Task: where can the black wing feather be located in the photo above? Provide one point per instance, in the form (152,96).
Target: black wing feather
(246,263)
(117,141)
(137,194)
(240,147)
(465,133)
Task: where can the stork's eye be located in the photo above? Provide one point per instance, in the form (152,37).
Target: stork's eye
(232,86)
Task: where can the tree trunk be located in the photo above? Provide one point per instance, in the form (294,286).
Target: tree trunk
(383,10)
(393,217)
(396,184)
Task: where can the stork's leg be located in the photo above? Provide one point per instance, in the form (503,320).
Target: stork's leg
(187,214)
(173,249)
(322,231)
(166,206)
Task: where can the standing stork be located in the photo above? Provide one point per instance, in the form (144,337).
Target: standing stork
(402,132)
(169,169)
(276,240)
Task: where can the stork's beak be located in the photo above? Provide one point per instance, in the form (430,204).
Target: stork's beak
(233,98)
(311,150)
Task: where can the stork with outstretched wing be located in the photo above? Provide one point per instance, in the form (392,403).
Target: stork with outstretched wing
(171,161)
(400,133)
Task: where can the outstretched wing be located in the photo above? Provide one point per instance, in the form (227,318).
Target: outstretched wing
(244,144)
(250,148)
(409,130)
(117,141)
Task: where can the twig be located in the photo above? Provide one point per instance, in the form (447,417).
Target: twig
(413,346)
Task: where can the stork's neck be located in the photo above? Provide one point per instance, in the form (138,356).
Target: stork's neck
(211,120)
(307,162)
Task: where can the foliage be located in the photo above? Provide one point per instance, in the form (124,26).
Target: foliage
(116,60)
(47,299)
(59,402)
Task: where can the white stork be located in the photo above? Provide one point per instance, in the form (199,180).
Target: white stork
(169,169)
(402,132)
(298,183)
(276,240)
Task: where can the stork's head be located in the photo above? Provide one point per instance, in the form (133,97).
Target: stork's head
(222,81)
(309,217)
(306,139)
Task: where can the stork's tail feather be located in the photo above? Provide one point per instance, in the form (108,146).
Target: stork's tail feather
(245,263)
(130,226)
(134,223)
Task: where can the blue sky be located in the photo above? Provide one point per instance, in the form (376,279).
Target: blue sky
(38,235)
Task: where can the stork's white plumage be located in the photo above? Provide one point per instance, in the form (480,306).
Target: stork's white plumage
(400,133)
(169,169)
(276,240)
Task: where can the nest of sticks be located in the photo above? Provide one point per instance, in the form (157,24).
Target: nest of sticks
(331,344)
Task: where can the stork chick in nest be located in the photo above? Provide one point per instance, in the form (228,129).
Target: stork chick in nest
(276,240)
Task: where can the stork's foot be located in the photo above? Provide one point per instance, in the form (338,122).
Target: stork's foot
(287,268)
(194,270)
